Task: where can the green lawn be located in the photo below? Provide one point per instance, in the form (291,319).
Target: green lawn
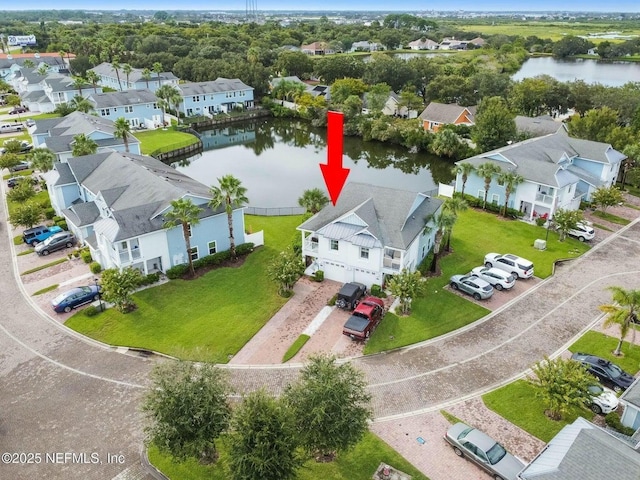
(602,345)
(40,198)
(611,218)
(206,319)
(159,139)
(358,464)
(474,230)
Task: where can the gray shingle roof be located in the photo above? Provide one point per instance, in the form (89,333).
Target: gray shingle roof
(582,451)
(82,213)
(386,212)
(106,70)
(632,394)
(537,126)
(65,177)
(220,84)
(120,99)
(443,112)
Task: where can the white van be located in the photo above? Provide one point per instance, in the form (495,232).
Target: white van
(10,127)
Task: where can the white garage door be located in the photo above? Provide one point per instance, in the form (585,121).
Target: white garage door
(335,271)
(365,276)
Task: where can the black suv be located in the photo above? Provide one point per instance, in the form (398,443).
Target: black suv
(609,374)
(350,294)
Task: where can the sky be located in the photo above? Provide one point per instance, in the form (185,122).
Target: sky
(368,5)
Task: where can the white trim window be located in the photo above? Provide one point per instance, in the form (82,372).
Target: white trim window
(334,245)
(364,253)
(495,198)
(213,247)
(193,253)
(128,109)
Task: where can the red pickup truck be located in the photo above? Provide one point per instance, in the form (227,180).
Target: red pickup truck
(365,319)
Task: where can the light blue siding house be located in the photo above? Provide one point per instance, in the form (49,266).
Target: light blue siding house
(116,204)
(559,172)
(134,81)
(138,107)
(218,96)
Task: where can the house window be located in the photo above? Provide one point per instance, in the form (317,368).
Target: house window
(104,112)
(128,109)
(155,106)
(481,194)
(333,245)
(364,253)
(213,247)
(123,246)
(196,98)
(495,199)
(194,253)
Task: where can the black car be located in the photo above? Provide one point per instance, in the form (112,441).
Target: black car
(14,181)
(350,294)
(609,374)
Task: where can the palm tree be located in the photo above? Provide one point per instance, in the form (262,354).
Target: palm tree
(42,159)
(115,65)
(183,212)
(43,70)
(444,225)
(127,69)
(81,104)
(83,145)
(168,95)
(78,83)
(231,194)
(453,205)
(465,170)
(175,99)
(93,78)
(487,171)
(28,63)
(313,200)
(146,75)
(510,180)
(623,310)
(157,69)
(122,130)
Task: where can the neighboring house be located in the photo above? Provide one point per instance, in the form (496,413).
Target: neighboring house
(478,42)
(139,107)
(317,48)
(109,78)
(58,134)
(366,46)
(372,232)
(630,400)
(9,63)
(453,44)
(584,451)
(438,114)
(218,96)
(392,107)
(423,44)
(116,204)
(537,126)
(559,172)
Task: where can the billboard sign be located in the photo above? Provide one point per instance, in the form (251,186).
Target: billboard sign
(18,40)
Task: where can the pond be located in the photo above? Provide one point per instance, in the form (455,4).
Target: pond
(277,160)
(611,74)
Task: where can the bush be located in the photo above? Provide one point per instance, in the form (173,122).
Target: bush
(613,420)
(91,311)
(95,267)
(150,279)
(245,248)
(57,219)
(86,256)
(318,276)
(376,291)
(62,225)
(332,300)
(178,271)
(49,213)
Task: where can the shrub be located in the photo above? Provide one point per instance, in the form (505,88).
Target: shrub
(95,267)
(318,276)
(150,279)
(178,271)
(376,291)
(63,225)
(245,248)
(613,420)
(91,311)
(332,300)
(57,219)
(49,213)
(86,256)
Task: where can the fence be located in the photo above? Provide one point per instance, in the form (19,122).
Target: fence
(274,211)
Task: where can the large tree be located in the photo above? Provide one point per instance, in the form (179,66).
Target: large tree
(26,215)
(510,181)
(42,159)
(494,124)
(453,205)
(231,194)
(313,200)
(285,269)
(263,442)
(296,64)
(167,97)
(83,145)
(119,285)
(464,170)
(187,407)
(566,220)
(605,197)
(331,405)
(406,286)
(623,310)
(486,171)
(186,214)
(122,130)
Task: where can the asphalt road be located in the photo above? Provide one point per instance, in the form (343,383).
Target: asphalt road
(70,407)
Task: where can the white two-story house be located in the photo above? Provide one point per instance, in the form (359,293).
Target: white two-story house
(138,107)
(116,203)
(370,233)
(558,171)
(218,96)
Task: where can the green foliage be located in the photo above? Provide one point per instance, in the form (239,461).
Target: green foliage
(605,197)
(622,311)
(313,200)
(91,311)
(44,267)
(118,286)
(596,124)
(332,301)
(49,213)
(566,220)
(150,279)
(487,170)
(22,192)
(561,384)
(376,291)
(446,143)
(12,145)
(263,440)
(494,124)
(318,276)
(63,225)
(26,215)
(612,420)
(331,406)
(295,347)
(186,214)
(188,409)
(231,194)
(285,269)
(45,290)
(83,145)
(95,267)
(9,160)
(86,256)
(343,88)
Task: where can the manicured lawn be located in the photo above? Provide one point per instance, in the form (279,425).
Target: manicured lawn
(153,140)
(42,116)
(358,464)
(517,403)
(475,234)
(206,319)
(611,218)
(602,345)
(41,198)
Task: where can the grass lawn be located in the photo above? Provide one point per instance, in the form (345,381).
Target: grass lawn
(602,345)
(40,198)
(471,234)
(554,30)
(153,140)
(611,218)
(517,403)
(206,319)
(358,464)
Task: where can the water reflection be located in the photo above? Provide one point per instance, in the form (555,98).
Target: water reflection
(278,159)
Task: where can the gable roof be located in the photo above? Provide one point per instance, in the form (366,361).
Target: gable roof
(426,43)
(586,452)
(120,99)
(632,394)
(369,215)
(444,112)
(220,84)
(538,126)
(106,69)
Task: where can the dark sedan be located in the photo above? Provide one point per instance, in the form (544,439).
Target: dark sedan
(609,374)
(67,301)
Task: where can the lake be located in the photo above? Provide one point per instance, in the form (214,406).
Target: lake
(612,74)
(277,160)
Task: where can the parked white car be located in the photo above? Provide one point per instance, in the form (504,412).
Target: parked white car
(517,266)
(583,231)
(499,279)
(603,400)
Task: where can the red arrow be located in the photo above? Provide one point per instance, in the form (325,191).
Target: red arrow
(333,173)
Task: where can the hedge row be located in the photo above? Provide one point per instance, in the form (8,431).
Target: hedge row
(491,207)
(209,261)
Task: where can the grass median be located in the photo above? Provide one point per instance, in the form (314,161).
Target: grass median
(165,140)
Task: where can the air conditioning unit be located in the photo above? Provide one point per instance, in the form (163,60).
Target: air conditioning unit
(540,244)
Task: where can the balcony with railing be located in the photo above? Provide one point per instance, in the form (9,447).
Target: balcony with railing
(545,199)
(311,245)
(392,260)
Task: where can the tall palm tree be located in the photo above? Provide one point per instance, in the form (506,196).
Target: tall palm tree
(28,63)
(231,194)
(453,205)
(93,78)
(184,213)
(122,130)
(83,145)
(115,65)
(465,170)
(169,95)
(313,200)
(510,180)
(78,83)
(42,159)
(157,69)
(146,75)
(175,99)
(127,69)
(444,225)
(43,70)
(81,104)
(487,170)
(623,310)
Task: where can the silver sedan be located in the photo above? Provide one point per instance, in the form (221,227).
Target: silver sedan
(472,285)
